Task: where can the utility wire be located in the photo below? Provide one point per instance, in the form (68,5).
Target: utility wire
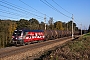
(61,7)
(33,8)
(48,4)
(57,10)
(19,6)
(11,9)
(8,17)
(11,13)
(65,10)
(19,9)
(30,6)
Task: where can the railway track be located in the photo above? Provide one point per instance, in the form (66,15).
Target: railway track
(14,52)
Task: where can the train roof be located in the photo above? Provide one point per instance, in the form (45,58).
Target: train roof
(31,30)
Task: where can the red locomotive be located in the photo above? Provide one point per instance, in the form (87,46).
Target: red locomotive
(26,36)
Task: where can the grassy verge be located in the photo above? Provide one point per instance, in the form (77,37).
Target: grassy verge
(78,49)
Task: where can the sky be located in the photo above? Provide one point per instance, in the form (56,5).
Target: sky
(38,9)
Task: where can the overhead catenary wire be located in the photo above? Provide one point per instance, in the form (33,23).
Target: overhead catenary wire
(33,8)
(11,13)
(8,17)
(76,21)
(49,5)
(30,6)
(57,10)
(65,10)
(18,9)
(61,7)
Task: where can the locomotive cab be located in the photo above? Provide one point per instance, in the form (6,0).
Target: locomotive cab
(17,37)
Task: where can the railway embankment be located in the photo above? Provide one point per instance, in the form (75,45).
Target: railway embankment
(32,51)
(78,49)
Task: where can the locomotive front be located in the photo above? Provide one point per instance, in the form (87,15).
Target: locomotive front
(17,37)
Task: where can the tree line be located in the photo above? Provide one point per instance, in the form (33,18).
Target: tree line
(34,24)
(7,27)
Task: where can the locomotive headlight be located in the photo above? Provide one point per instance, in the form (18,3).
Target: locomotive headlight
(16,38)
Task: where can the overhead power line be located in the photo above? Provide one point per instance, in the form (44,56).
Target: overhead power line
(30,6)
(48,4)
(18,6)
(61,7)
(33,8)
(8,17)
(65,10)
(11,13)
(20,10)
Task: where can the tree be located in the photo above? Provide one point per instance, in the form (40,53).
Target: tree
(70,26)
(89,29)
(34,24)
(22,23)
(65,25)
(6,29)
(42,26)
(12,26)
(33,21)
(51,25)
(58,25)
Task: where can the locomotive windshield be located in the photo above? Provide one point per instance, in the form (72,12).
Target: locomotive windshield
(17,33)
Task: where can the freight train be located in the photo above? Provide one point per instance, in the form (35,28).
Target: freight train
(23,37)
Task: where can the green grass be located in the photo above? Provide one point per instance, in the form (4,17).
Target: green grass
(77,46)
(80,44)
(86,35)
